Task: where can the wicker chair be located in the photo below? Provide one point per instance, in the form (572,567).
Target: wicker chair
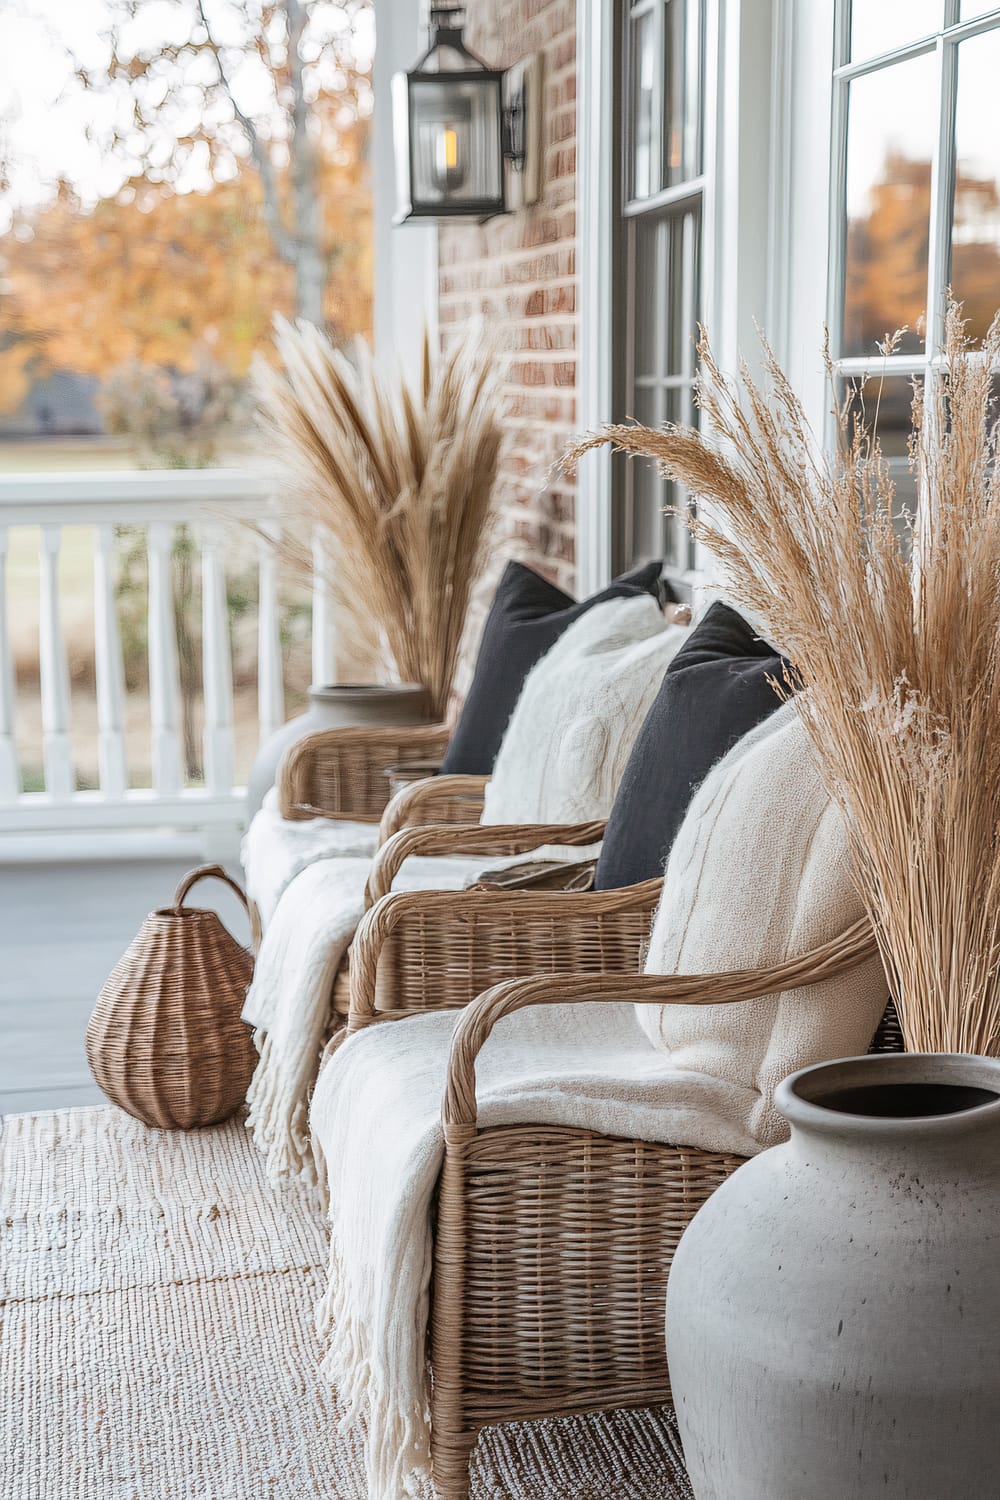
(553,1245)
(343,773)
(467,940)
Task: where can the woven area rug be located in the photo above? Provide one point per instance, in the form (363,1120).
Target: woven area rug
(156,1336)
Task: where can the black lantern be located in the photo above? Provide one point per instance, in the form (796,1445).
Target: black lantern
(449,125)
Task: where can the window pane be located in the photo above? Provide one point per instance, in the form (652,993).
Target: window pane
(878,26)
(972,8)
(665,295)
(647,282)
(975,244)
(644,71)
(647,491)
(889,148)
(886,405)
(682,87)
(682,314)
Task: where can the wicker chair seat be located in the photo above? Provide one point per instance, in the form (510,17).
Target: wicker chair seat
(553,1245)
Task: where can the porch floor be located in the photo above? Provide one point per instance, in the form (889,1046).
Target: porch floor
(63,928)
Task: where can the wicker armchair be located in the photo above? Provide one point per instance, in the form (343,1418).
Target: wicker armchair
(553,1245)
(342,773)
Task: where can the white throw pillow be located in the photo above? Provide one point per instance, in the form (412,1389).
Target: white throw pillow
(579,712)
(760,873)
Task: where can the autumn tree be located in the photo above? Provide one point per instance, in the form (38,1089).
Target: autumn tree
(887,249)
(167,279)
(279,85)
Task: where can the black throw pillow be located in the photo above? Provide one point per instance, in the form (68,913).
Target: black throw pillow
(714,691)
(527,616)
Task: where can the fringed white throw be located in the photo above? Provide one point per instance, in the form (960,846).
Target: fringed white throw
(288,1002)
(759,823)
(376,1117)
(276,849)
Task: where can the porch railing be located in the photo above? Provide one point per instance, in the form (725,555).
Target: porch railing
(156,503)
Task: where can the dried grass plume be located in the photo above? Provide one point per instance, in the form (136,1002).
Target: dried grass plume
(893,629)
(399,480)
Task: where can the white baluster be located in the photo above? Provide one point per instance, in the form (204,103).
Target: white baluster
(164,680)
(217,665)
(109,669)
(270,686)
(324,653)
(10,781)
(57,750)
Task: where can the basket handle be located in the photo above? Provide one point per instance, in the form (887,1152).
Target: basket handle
(205,872)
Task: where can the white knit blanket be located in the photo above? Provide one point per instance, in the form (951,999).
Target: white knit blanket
(288,1002)
(276,849)
(376,1118)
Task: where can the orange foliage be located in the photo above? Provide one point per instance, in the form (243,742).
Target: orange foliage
(887,254)
(161,277)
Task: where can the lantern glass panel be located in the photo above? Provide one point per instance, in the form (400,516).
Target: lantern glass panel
(455,142)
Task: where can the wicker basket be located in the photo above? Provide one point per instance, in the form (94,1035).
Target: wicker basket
(166,1041)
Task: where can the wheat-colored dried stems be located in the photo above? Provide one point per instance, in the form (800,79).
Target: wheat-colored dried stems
(400,479)
(893,630)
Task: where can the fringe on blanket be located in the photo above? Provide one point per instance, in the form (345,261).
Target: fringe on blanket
(278,1117)
(397,1446)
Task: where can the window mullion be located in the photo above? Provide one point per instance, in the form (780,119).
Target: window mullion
(942,176)
(656,136)
(837,255)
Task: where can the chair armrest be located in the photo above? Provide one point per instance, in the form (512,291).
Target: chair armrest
(416,951)
(476,838)
(434,799)
(341,773)
(851,948)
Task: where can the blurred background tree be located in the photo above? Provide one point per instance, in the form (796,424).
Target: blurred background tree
(240,135)
(270,84)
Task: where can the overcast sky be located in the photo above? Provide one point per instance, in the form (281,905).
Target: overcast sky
(44,116)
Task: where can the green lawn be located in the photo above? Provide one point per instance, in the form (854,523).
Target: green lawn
(64,455)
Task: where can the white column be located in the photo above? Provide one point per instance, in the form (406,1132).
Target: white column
(56,747)
(109,669)
(324,655)
(406,258)
(595,94)
(164,680)
(10,780)
(217,665)
(270,685)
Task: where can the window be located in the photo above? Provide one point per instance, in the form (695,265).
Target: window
(662,72)
(916,190)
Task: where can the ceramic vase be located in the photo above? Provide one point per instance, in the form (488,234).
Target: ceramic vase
(833,1311)
(349,707)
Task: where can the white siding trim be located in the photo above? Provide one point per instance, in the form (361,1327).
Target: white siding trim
(596,135)
(406,256)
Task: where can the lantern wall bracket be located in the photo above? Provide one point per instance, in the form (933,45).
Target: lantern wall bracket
(467,137)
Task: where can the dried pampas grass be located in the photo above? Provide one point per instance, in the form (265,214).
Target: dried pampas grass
(894,632)
(400,481)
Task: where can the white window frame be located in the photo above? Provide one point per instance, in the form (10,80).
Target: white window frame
(944,44)
(745,40)
(406,256)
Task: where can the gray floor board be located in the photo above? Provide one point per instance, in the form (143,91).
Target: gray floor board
(63,927)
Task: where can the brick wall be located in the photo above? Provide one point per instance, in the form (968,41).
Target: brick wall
(519,270)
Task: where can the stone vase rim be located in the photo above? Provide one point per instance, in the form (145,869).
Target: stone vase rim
(799,1097)
(322,692)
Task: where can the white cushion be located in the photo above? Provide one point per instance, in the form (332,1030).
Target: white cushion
(276,849)
(760,873)
(578,715)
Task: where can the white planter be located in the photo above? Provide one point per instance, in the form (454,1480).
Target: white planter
(349,707)
(833,1312)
